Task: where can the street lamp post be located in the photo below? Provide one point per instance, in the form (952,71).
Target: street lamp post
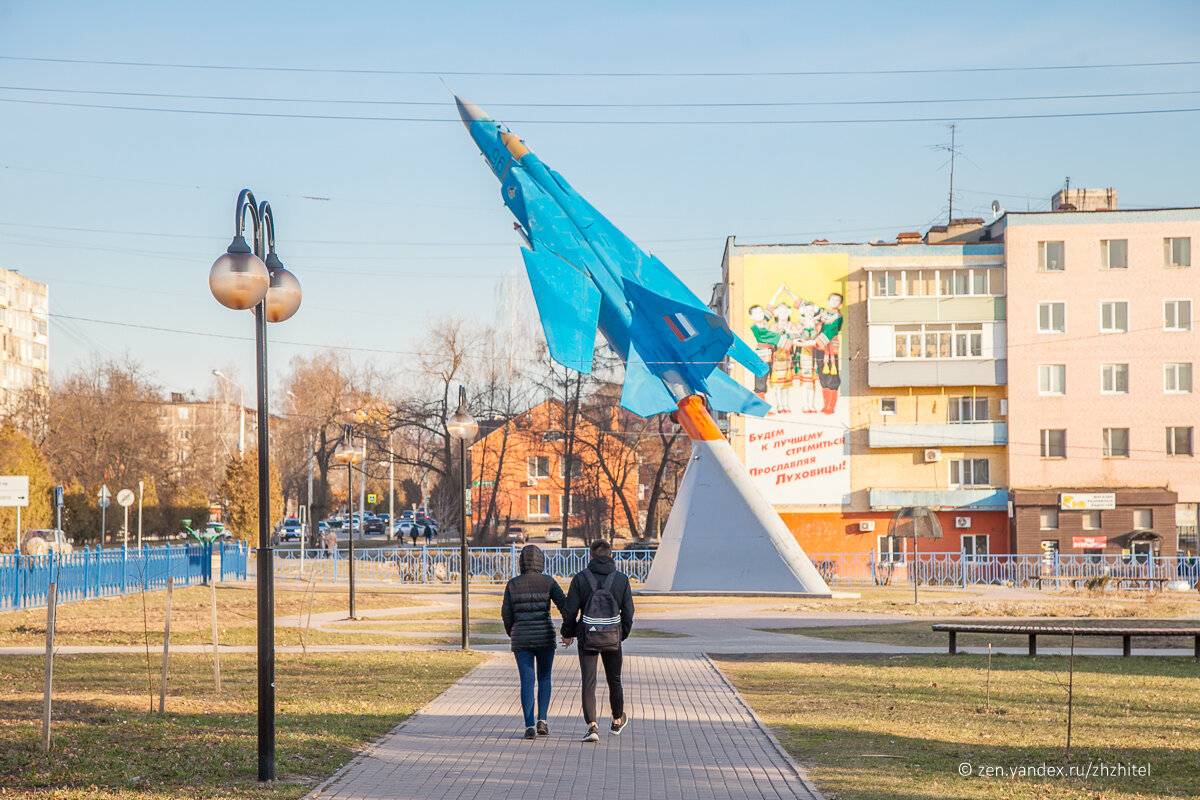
(462,426)
(241,410)
(347,454)
(241,279)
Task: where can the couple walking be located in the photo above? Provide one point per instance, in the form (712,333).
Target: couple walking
(598,609)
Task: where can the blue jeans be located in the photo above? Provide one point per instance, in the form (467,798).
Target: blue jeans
(525,666)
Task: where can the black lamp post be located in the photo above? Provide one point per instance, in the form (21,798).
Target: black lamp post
(243,279)
(462,426)
(346,453)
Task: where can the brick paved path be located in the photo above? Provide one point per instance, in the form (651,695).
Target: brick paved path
(689,737)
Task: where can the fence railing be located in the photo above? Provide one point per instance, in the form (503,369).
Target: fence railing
(1017,571)
(25,580)
(432,565)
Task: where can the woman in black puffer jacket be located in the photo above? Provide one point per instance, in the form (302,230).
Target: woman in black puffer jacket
(526,615)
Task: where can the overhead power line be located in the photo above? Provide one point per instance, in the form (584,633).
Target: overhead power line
(457,121)
(444,103)
(513,74)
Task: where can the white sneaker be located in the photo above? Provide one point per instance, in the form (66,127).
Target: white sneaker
(593,733)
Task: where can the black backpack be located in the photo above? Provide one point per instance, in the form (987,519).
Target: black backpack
(600,625)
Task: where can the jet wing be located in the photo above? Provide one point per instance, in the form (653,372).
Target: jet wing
(569,305)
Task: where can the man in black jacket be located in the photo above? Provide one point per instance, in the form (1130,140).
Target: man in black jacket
(601,566)
(526,615)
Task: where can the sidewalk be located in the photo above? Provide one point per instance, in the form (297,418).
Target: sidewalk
(690,737)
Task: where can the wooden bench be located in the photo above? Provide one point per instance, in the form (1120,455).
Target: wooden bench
(1033,631)
(1077,581)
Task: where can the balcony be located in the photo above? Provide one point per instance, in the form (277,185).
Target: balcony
(949,434)
(938,372)
(983,499)
(978,308)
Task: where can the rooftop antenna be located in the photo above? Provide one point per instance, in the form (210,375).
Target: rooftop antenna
(953,150)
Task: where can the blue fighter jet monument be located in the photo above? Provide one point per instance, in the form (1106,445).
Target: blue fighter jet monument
(587,277)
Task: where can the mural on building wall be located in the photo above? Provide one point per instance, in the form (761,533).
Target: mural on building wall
(798,453)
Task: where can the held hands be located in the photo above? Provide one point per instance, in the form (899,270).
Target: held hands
(567,642)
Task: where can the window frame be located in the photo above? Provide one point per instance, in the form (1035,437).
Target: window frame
(1046,445)
(1049,392)
(1169,252)
(529,498)
(1106,443)
(1172,441)
(965,465)
(1174,367)
(532,462)
(1106,253)
(1046,512)
(1112,369)
(1114,303)
(895,555)
(1176,328)
(1043,261)
(883,409)
(1050,304)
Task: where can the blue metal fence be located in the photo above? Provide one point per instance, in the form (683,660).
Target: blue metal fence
(25,580)
(441,564)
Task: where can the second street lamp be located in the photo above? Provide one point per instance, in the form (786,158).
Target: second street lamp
(462,426)
(241,279)
(347,454)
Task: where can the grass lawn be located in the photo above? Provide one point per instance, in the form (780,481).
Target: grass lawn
(651,633)
(107,744)
(901,726)
(919,634)
(939,602)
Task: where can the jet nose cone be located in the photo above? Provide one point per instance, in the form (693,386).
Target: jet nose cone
(469,112)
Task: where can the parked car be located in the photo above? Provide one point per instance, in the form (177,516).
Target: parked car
(554,534)
(641,546)
(515,535)
(39,542)
(403,529)
(290,530)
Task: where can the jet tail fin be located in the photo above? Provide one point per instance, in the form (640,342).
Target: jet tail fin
(701,338)
(726,394)
(569,305)
(644,392)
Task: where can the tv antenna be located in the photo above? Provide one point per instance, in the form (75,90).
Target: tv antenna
(952,149)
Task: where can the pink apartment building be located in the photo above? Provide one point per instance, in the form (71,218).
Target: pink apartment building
(1102,352)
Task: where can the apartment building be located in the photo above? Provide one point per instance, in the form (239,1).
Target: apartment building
(24,336)
(917,371)
(1103,348)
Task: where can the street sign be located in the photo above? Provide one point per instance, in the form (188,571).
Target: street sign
(125,498)
(104,502)
(104,493)
(58,496)
(1088,502)
(14,490)
(1089,542)
(371,498)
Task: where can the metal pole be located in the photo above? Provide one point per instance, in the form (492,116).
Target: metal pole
(362,496)
(265,555)
(463,554)
(242,428)
(350,501)
(308,530)
(391,490)
(141,489)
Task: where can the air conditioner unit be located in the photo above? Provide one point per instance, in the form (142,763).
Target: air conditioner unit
(962,522)
(866,526)
(933,455)
(531,482)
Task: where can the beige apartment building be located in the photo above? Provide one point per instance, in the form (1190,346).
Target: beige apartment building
(24,336)
(1102,352)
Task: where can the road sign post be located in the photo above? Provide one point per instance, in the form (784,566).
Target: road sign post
(14,491)
(103,498)
(125,499)
(58,504)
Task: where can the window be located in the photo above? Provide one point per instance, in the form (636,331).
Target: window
(1090,520)
(1054,443)
(1052,317)
(889,548)
(887,284)
(887,405)
(1143,519)
(539,505)
(576,467)
(1114,316)
(1048,519)
(968,409)
(1052,379)
(575,503)
(183,413)
(1177,252)
(1177,315)
(974,544)
(1179,441)
(940,340)
(1116,442)
(1177,378)
(969,472)
(539,467)
(964,282)
(1114,254)
(1114,378)
(1051,256)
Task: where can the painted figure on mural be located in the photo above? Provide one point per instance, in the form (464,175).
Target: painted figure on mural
(766,339)
(827,362)
(781,360)
(803,332)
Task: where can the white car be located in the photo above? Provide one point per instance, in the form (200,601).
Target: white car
(554,535)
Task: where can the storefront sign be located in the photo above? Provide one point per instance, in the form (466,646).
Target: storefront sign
(1087,502)
(1089,542)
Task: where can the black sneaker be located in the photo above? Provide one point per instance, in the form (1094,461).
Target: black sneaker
(593,734)
(542,728)
(619,725)
(530,733)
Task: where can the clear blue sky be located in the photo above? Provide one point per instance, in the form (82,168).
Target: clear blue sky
(122,211)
